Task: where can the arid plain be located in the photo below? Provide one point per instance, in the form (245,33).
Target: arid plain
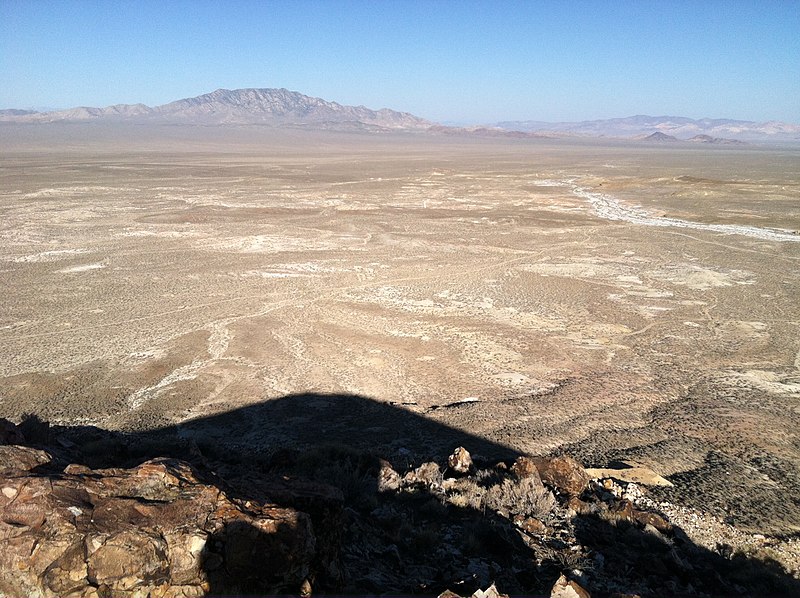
(619,301)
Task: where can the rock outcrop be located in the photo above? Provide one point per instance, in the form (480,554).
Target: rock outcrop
(337,520)
(153,530)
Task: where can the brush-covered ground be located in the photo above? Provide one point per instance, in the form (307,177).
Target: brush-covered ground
(157,276)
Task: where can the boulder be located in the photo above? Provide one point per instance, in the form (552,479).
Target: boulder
(151,530)
(428,474)
(563,473)
(524,467)
(388,479)
(460,461)
(566,588)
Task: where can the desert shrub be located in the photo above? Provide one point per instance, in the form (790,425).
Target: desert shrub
(34,429)
(424,539)
(400,534)
(351,471)
(526,497)
(482,538)
(433,509)
(358,487)
(486,478)
(466,494)
(472,543)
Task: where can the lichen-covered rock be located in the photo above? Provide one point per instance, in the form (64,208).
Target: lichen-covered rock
(151,530)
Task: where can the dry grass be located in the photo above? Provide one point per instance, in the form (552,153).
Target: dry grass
(526,497)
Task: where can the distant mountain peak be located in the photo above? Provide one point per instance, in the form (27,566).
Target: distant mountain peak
(277,107)
(660,137)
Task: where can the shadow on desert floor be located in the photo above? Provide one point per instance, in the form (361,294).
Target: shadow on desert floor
(412,537)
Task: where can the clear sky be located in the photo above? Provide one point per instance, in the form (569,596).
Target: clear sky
(469,62)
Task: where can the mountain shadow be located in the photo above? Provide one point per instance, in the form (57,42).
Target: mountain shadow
(391,516)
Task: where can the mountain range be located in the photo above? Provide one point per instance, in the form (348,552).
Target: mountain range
(277,107)
(679,127)
(284,108)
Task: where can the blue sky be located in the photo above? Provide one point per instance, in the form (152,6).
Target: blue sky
(470,62)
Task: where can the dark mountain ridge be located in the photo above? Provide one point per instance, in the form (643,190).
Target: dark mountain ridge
(279,107)
(658,136)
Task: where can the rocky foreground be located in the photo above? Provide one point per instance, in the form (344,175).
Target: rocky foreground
(87,512)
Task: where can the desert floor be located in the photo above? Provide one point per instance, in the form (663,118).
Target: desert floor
(615,301)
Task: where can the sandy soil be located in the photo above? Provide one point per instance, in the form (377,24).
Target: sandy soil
(614,301)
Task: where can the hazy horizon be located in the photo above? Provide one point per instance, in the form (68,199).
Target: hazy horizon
(469,63)
(446,122)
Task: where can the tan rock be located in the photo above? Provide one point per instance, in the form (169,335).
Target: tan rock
(128,560)
(460,461)
(186,555)
(388,479)
(630,472)
(566,588)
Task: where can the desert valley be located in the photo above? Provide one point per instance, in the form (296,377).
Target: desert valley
(630,304)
